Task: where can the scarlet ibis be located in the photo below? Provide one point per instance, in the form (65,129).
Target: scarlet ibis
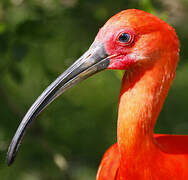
(148,49)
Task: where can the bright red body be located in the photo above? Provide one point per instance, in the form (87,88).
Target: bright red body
(168,161)
(150,61)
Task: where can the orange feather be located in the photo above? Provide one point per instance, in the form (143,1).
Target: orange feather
(148,49)
(139,154)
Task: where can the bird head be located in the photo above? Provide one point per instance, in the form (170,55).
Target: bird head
(134,37)
(131,37)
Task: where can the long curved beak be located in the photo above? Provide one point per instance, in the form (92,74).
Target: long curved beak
(94,60)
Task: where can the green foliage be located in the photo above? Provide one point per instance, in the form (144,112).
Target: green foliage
(39,39)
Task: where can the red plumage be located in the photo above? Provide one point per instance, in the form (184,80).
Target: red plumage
(148,49)
(150,62)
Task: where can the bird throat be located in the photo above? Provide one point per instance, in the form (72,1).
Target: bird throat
(142,95)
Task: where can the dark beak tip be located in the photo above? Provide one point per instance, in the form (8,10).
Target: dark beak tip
(10,157)
(9,160)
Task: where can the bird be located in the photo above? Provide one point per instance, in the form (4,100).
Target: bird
(147,49)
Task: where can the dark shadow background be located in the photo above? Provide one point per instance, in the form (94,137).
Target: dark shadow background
(39,39)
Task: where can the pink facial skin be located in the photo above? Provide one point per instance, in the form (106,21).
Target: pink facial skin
(119,52)
(121,62)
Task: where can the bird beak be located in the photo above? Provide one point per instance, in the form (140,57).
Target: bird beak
(94,60)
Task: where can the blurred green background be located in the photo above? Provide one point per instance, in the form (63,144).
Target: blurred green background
(39,39)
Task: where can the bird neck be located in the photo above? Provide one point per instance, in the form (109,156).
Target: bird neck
(142,95)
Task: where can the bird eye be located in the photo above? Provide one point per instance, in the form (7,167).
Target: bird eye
(124,38)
